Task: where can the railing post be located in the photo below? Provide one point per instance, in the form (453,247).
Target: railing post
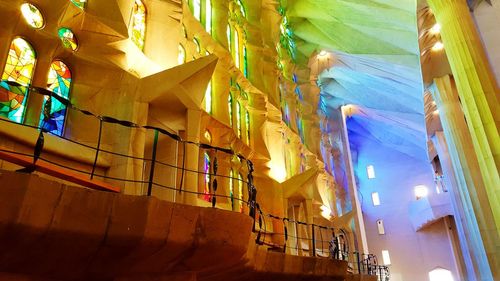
(313,241)
(359,262)
(153,161)
(97,149)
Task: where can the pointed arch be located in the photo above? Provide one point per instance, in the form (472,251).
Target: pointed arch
(207,177)
(242,8)
(138,24)
(208,98)
(53,116)
(181,56)
(19,68)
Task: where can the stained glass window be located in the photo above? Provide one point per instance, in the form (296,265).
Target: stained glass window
(230,109)
(228,34)
(181,57)
(138,28)
(19,68)
(32,15)
(208,16)
(242,8)
(240,191)
(208,98)
(59,82)
(197,9)
(245,62)
(236,48)
(231,188)
(238,119)
(79,3)
(206,171)
(68,38)
(247,126)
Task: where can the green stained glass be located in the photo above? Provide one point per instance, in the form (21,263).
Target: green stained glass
(228,34)
(32,15)
(230,109)
(245,62)
(79,3)
(197,9)
(68,38)
(138,24)
(238,119)
(236,48)
(19,68)
(247,126)
(53,113)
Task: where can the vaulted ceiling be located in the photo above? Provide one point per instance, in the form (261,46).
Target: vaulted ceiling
(375,66)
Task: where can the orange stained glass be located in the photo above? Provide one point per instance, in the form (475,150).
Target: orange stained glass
(19,68)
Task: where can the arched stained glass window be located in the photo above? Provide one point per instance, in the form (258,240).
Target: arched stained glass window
(208,98)
(240,192)
(32,15)
(197,9)
(228,35)
(19,68)
(245,61)
(138,24)
(53,111)
(79,3)
(68,38)
(206,171)
(230,109)
(242,8)
(231,188)
(238,119)
(236,47)
(208,16)
(247,126)
(181,56)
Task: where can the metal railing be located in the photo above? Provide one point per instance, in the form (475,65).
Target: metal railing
(277,233)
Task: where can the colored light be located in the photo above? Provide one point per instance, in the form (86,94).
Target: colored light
(438,46)
(322,53)
(440,274)
(32,15)
(435,29)
(421,191)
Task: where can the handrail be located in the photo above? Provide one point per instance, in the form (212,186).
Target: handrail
(337,246)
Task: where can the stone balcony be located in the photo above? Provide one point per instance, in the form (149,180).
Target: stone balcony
(428,210)
(50,231)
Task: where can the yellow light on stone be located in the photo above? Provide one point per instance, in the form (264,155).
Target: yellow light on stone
(326,212)
(438,46)
(435,29)
(323,53)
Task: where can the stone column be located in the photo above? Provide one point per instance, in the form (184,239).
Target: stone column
(192,156)
(479,222)
(477,89)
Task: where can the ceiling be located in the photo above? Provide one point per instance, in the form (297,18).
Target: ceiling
(373,46)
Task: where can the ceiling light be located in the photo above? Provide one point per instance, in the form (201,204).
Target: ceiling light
(438,46)
(421,191)
(435,29)
(436,112)
(322,53)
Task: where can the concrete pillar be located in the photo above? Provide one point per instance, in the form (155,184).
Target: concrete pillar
(477,89)
(479,222)
(360,233)
(192,156)
(468,270)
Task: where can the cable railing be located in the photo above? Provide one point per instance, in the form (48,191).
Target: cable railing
(159,173)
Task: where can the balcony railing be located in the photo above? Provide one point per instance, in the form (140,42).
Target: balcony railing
(277,233)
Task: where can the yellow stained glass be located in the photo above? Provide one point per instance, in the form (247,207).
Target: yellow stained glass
(181,56)
(138,24)
(19,68)
(32,15)
(79,3)
(68,38)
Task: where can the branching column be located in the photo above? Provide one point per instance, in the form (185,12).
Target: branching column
(477,89)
